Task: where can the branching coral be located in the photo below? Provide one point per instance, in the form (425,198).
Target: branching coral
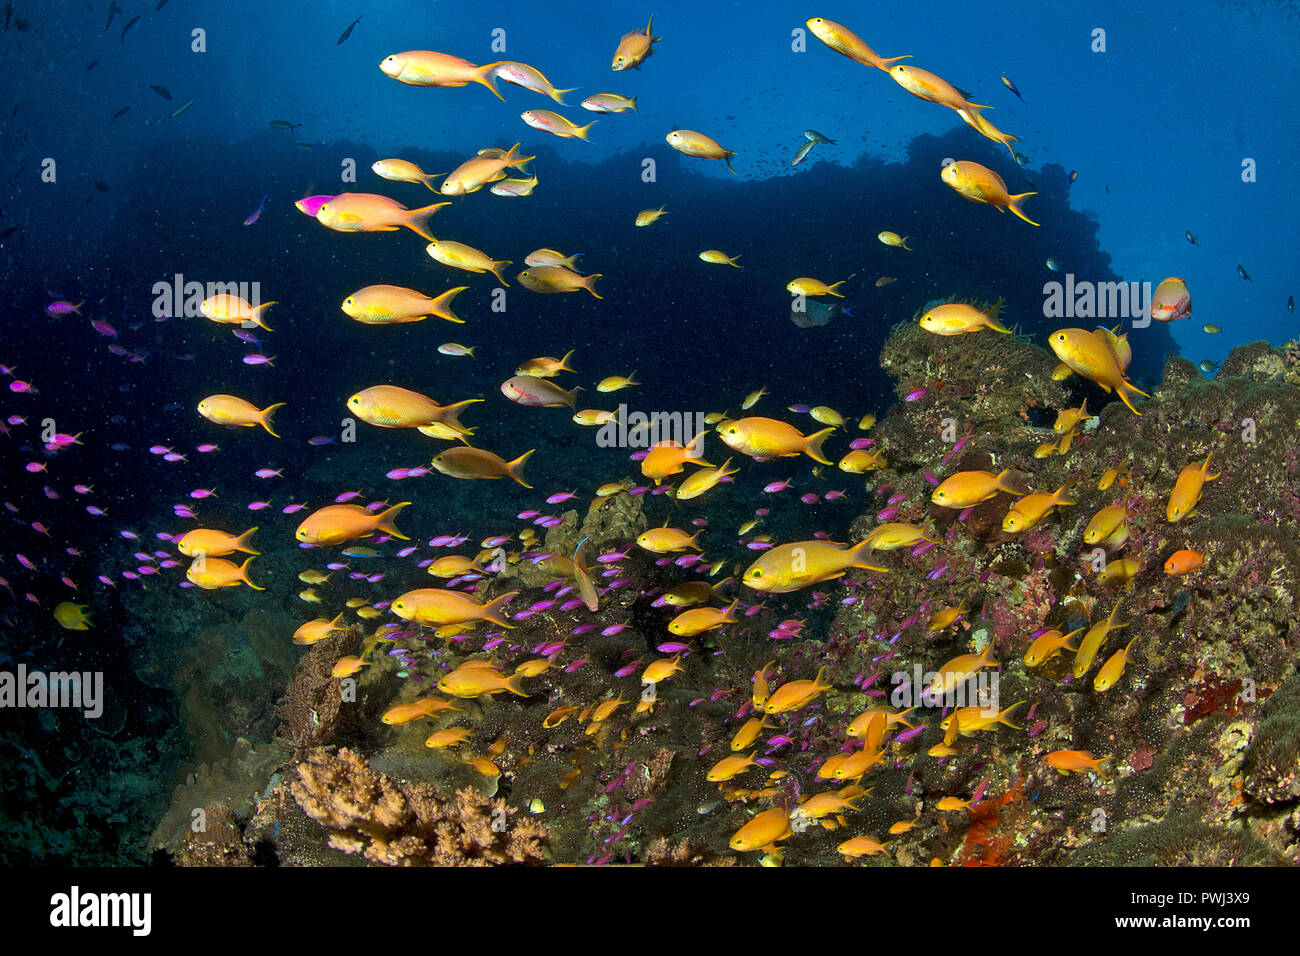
(398,823)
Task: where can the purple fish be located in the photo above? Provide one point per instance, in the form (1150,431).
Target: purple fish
(63,308)
(257,213)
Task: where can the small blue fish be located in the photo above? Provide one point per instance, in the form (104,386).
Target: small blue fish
(1012,87)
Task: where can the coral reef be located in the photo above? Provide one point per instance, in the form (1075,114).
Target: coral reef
(396,823)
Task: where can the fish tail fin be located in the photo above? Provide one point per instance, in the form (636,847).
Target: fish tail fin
(1205,468)
(257,317)
(1101,766)
(726,158)
(497,266)
(813,446)
(243,576)
(889,61)
(450,414)
(729,612)
(77,308)
(515,685)
(264,417)
(441,306)
(991,318)
(1003,718)
(558,95)
(1013,203)
(486,74)
(1060,498)
(1005,484)
(241,543)
(494,611)
(862,554)
(1124,390)
(417,220)
(634,104)
(515,469)
(428,179)
(386,521)
(515,159)
(589,283)
(582,132)
(564,362)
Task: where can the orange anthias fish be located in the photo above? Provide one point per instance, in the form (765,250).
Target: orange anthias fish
(370,212)
(473,463)
(697,144)
(843,40)
(435,607)
(927,86)
(981,184)
(335,524)
(769,438)
(1184,562)
(762,832)
(634,47)
(393,304)
(230,410)
(427,68)
(1187,490)
(1076,761)
(1091,356)
(391,406)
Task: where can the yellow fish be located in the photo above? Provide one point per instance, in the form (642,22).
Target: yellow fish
(394,304)
(647,216)
(390,406)
(369,212)
(457,255)
(762,832)
(472,463)
(556,279)
(667,540)
(614,383)
(335,524)
(958,318)
(1187,490)
(317,630)
(477,172)
(795,694)
(691,143)
(981,184)
(403,171)
(73,617)
(1089,355)
(233,310)
(702,481)
(927,86)
(425,707)
(806,285)
(634,47)
(477,678)
(967,488)
(434,607)
(1031,509)
(843,40)
(1092,642)
(1046,646)
(229,410)
(700,619)
(1112,670)
(718,257)
(769,438)
(215,544)
(212,573)
(791,567)
(894,239)
(427,68)
(549,121)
